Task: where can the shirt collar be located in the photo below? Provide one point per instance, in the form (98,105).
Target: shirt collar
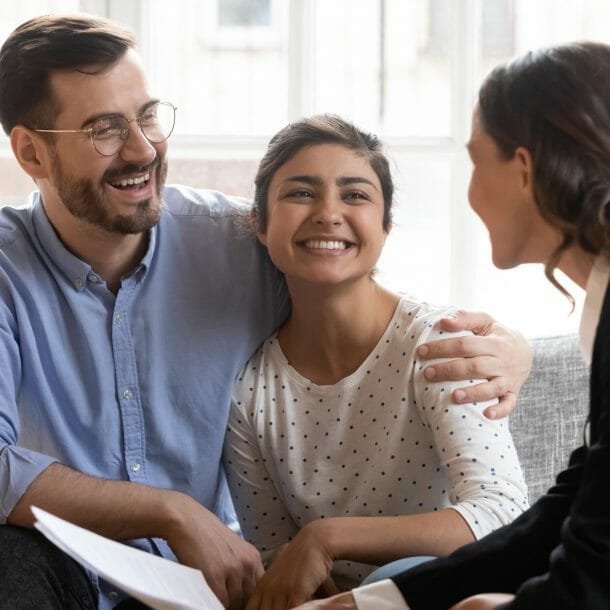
(596,289)
(76,271)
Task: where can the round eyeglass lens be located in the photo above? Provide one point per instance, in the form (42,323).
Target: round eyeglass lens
(157,122)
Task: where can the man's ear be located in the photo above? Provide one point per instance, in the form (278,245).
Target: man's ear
(260,235)
(30,151)
(526,167)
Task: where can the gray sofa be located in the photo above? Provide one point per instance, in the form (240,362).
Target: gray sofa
(549,420)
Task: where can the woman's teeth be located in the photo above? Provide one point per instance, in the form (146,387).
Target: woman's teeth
(325,245)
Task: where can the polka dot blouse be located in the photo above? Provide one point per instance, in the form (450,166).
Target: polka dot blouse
(382,441)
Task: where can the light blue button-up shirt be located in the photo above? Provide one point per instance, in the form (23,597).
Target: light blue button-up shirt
(134,386)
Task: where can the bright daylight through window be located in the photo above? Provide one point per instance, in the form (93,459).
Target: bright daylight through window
(238,70)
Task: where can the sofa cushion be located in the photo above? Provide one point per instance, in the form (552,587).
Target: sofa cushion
(548,422)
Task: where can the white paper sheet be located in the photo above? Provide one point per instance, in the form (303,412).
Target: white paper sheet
(158,582)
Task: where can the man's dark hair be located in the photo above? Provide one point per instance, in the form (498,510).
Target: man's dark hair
(46,44)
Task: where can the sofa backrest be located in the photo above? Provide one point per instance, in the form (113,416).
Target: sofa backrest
(548,422)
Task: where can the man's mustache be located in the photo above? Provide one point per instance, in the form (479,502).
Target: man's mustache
(118,172)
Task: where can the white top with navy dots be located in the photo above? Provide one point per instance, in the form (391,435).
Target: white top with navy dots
(382,441)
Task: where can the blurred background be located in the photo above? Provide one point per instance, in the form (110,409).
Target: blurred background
(408,70)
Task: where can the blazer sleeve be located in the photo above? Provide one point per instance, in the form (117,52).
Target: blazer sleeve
(501,561)
(579,567)
(557,554)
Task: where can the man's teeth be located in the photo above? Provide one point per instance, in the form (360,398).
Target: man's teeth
(132,181)
(325,245)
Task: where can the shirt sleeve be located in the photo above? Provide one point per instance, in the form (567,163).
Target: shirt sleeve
(382,595)
(508,558)
(557,551)
(487,485)
(18,466)
(263,517)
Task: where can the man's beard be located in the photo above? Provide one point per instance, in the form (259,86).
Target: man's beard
(86,200)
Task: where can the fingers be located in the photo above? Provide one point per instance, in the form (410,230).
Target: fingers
(459,347)
(240,589)
(505,407)
(480,392)
(235,593)
(343,601)
(274,598)
(477,322)
(480,367)
(235,582)
(263,601)
(232,591)
(329,587)
(484,601)
(219,588)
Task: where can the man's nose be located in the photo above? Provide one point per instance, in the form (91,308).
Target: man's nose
(137,149)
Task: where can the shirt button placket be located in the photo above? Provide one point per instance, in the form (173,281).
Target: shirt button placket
(127,387)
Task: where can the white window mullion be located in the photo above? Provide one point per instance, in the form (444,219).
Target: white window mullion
(301,58)
(465,61)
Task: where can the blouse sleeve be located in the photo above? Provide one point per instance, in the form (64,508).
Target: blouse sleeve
(264,519)
(487,484)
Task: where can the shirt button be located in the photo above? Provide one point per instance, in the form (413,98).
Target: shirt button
(93,278)
(136,466)
(118,318)
(113,595)
(78,283)
(127,394)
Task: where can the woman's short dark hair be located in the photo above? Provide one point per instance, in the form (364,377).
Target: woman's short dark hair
(46,44)
(555,102)
(321,129)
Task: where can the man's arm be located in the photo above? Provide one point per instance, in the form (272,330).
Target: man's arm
(497,353)
(124,510)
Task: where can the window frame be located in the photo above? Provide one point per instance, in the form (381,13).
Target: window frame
(465,47)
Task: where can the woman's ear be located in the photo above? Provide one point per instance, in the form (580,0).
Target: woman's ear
(526,167)
(260,235)
(30,151)
(388,229)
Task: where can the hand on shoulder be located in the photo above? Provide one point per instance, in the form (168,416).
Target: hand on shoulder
(494,352)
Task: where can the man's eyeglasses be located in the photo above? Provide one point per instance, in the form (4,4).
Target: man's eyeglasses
(108,134)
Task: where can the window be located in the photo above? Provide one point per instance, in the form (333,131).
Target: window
(239,70)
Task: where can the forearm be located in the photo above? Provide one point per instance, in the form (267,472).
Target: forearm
(117,509)
(123,510)
(378,540)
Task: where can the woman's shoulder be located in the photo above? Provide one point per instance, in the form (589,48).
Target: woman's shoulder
(421,316)
(264,353)
(265,361)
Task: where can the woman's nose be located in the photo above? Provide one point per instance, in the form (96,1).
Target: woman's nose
(327,210)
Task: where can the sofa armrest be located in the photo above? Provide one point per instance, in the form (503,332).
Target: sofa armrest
(548,422)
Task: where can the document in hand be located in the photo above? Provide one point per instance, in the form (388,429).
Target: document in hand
(155,581)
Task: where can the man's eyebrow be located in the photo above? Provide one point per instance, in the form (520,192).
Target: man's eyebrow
(105,115)
(346,180)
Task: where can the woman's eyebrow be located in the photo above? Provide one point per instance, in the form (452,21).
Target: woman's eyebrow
(345,180)
(315,180)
